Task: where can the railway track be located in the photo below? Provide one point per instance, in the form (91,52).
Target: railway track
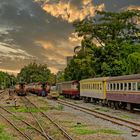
(2,92)
(133,125)
(26,102)
(65,134)
(24,122)
(14,126)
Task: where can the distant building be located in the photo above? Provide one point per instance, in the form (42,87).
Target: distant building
(69,58)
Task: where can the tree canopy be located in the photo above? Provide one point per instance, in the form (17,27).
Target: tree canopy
(36,73)
(110,46)
(6,80)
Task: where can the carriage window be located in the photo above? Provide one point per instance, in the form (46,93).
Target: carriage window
(121,86)
(110,86)
(129,86)
(91,86)
(118,85)
(125,86)
(133,86)
(138,86)
(94,86)
(97,86)
(100,86)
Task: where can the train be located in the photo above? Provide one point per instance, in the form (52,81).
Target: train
(69,89)
(20,89)
(116,92)
(40,88)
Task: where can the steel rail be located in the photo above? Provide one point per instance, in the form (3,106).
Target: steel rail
(133,125)
(13,125)
(40,132)
(51,120)
(1,92)
(41,128)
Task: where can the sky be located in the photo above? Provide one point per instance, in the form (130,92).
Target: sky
(34,30)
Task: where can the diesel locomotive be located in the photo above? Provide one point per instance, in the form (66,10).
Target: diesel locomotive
(21,89)
(40,89)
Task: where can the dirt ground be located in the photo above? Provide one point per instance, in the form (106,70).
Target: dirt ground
(79,125)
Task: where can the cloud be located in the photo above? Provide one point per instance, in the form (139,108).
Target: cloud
(74,38)
(133,7)
(69,12)
(56,55)
(13,53)
(15,72)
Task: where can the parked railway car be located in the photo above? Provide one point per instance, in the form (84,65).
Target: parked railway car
(31,87)
(40,89)
(59,88)
(124,91)
(93,89)
(69,89)
(21,89)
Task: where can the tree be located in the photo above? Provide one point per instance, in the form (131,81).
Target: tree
(60,76)
(110,27)
(35,73)
(133,63)
(6,80)
(107,42)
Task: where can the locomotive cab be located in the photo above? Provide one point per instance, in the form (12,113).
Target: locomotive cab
(21,89)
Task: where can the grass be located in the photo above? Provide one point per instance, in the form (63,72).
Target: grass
(59,107)
(102,109)
(4,135)
(18,117)
(27,110)
(126,117)
(61,97)
(84,130)
(29,128)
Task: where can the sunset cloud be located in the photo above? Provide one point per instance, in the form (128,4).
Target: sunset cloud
(69,12)
(136,19)
(56,55)
(74,38)
(12,53)
(132,7)
(15,72)
(28,33)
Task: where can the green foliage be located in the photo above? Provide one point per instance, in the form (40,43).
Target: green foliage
(60,77)
(110,46)
(36,73)
(3,135)
(84,130)
(6,80)
(133,63)
(59,107)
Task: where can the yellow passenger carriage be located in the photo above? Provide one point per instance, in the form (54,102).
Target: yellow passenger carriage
(94,88)
(124,91)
